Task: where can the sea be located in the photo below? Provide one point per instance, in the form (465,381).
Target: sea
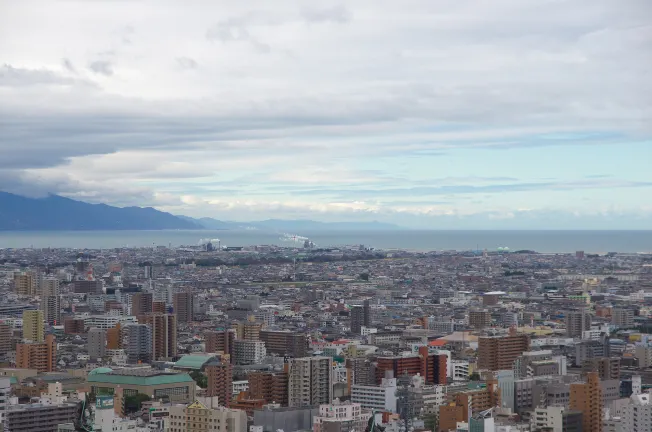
(415,240)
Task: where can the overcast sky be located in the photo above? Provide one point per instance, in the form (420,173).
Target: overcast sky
(433,113)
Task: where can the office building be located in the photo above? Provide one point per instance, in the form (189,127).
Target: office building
(479,319)
(246,352)
(87,287)
(220,381)
(184,305)
(590,349)
(643,353)
(272,387)
(164,334)
(142,303)
(463,404)
(556,419)
(432,367)
(500,352)
(178,387)
(380,397)
(41,356)
(39,417)
(197,417)
(33,330)
(587,398)
(219,341)
(310,381)
(608,368)
(96,343)
(637,415)
(285,343)
(137,343)
(577,322)
(25,283)
(340,417)
(622,317)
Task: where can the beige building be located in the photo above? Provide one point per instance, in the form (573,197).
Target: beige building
(196,417)
(33,326)
(25,283)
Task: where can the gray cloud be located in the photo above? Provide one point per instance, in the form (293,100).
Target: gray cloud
(102,67)
(338,14)
(18,77)
(235,30)
(186,63)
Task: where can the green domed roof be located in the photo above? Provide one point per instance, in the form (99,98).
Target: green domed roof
(100,370)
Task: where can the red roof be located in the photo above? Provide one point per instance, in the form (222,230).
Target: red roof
(437,342)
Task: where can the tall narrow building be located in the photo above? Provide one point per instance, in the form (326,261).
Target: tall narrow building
(137,343)
(164,334)
(142,303)
(220,381)
(219,341)
(577,322)
(587,398)
(183,306)
(50,301)
(96,343)
(357,319)
(33,326)
(310,381)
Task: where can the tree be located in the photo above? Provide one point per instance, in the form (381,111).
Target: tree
(133,403)
(364,276)
(200,379)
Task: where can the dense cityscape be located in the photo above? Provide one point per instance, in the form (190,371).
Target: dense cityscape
(301,338)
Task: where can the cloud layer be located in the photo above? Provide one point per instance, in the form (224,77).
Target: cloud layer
(399,111)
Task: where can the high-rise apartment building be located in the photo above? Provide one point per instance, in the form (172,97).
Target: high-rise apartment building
(50,301)
(357,319)
(577,322)
(285,343)
(270,386)
(246,352)
(499,352)
(310,381)
(25,283)
(164,334)
(432,367)
(220,381)
(587,398)
(622,317)
(361,370)
(6,332)
(96,343)
(158,307)
(248,330)
(219,341)
(142,303)
(41,356)
(33,330)
(137,343)
(479,319)
(114,337)
(184,306)
(74,326)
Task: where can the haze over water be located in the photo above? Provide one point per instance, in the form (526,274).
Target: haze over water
(540,241)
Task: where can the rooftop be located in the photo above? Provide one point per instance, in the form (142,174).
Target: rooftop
(138,376)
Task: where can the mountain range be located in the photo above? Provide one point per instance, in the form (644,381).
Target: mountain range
(57,213)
